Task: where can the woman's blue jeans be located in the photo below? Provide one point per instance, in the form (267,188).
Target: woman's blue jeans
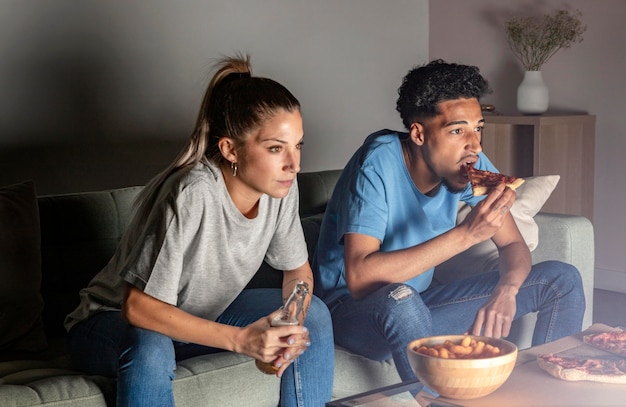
(381,325)
(144,361)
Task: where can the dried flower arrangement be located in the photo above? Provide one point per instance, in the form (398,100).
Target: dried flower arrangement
(534,40)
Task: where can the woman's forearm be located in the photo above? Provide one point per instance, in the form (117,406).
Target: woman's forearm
(144,311)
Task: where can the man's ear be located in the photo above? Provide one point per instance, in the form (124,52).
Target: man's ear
(227,148)
(416,133)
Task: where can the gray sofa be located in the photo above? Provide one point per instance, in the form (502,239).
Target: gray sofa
(79,233)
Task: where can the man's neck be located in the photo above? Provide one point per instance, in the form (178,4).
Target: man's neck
(417,167)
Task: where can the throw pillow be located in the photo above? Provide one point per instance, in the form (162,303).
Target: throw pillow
(531,196)
(21,304)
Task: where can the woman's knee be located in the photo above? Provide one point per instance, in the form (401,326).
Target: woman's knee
(318,319)
(148,351)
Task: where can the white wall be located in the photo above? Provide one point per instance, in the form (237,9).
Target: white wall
(124,78)
(589,77)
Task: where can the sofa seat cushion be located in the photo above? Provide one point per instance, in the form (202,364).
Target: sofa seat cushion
(9,368)
(24,377)
(21,304)
(231,379)
(356,374)
(58,391)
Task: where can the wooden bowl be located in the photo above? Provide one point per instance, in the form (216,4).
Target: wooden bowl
(462,378)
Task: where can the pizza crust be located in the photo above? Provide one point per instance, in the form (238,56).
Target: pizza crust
(560,373)
(481,190)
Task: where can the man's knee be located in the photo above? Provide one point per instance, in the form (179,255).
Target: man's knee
(406,311)
(564,278)
(401,292)
(563,272)
(404,302)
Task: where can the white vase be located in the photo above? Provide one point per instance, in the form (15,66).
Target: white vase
(532,94)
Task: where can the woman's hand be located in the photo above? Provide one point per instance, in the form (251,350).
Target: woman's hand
(278,345)
(259,340)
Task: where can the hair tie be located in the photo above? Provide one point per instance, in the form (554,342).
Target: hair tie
(234,76)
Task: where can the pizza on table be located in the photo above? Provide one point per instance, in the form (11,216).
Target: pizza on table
(609,367)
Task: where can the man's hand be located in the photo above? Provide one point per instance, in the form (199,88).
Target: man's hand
(494,319)
(488,216)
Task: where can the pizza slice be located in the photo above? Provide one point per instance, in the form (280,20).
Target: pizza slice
(482,181)
(594,369)
(611,341)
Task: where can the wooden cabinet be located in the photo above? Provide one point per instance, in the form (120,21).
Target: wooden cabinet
(545,145)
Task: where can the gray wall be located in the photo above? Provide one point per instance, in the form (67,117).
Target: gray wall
(589,77)
(102,94)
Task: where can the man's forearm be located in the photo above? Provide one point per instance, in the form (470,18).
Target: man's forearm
(514,265)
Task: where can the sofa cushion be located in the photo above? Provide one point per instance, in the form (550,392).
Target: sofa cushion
(79,234)
(315,189)
(484,256)
(65,390)
(231,379)
(356,374)
(21,304)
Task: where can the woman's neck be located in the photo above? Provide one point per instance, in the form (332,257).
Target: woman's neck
(245,199)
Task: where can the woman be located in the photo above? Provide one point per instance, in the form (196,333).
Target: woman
(175,286)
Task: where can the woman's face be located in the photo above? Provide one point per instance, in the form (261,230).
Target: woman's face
(271,155)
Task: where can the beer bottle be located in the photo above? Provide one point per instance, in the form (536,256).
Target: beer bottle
(290,314)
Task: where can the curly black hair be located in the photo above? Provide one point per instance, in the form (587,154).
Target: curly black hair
(427,85)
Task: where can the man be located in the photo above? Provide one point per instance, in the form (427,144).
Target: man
(391,220)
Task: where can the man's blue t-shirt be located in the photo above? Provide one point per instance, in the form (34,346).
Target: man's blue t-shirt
(376,196)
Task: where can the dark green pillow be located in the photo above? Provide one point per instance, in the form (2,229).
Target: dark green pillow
(21,304)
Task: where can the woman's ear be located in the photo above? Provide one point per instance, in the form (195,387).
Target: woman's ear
(227,148)
(417,133)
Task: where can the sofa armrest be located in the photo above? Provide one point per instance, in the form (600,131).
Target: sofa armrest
(569,238)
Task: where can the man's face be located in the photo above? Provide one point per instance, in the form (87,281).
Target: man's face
(452,139)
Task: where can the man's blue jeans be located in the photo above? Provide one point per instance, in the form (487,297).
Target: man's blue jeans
(144,361)
(381,325)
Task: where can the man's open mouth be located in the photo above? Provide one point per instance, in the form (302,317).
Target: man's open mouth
(465,168)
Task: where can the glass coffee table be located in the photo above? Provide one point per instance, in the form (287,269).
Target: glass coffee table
(407,394)
(527,386)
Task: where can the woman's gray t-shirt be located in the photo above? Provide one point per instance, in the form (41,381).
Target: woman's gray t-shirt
(198,252)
